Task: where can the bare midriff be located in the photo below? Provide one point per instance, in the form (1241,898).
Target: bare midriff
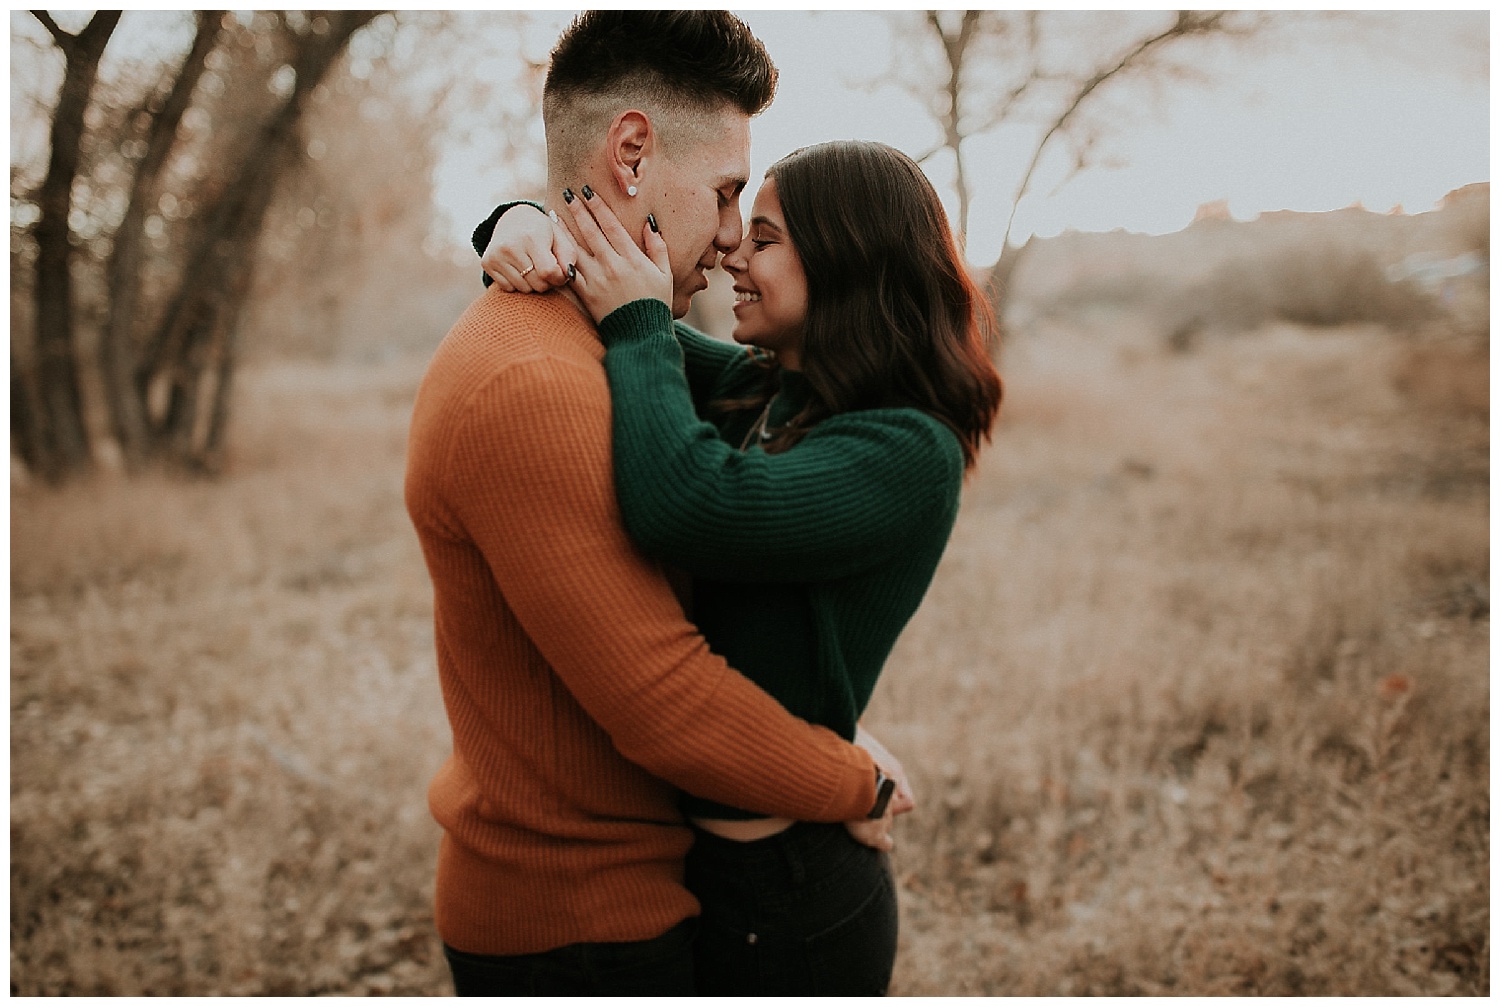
(746,830)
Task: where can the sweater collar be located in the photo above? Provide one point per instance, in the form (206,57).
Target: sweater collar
(792,396)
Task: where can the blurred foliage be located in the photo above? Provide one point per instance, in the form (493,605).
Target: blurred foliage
(355,261)
(345,254)
(1320,284)
(1408,273)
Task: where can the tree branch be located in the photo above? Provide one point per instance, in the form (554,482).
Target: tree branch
(1187,23)
(931,152)
(62,38)
(66,435)
(117,345)
(1006,105)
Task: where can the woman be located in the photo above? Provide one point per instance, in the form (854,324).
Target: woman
(811,506)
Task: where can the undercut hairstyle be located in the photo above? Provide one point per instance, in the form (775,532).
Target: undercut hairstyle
(893,318)
(680,67)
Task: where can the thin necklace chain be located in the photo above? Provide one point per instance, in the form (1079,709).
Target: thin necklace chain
(760,428)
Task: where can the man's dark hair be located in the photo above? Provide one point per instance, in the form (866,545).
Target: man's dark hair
(707,57)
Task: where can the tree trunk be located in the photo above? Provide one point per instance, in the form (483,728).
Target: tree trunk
(25,431)
(63,440)
(955,48)
(197,330)
(961,177)
(117,350)
(998,287)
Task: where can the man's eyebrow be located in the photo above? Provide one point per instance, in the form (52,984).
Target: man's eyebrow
(738,181)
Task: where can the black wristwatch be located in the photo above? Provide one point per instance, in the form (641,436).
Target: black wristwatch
(885,786)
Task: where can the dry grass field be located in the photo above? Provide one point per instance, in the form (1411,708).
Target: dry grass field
(1198,703)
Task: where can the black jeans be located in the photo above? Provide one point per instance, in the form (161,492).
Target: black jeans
(662,966)
(806,911)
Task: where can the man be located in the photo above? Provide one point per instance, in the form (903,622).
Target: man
(578,694)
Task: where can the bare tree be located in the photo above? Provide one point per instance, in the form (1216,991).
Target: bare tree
(969,38)
(172,298)
(52,429)
(976,71)
(192,352)
(356,257)
(226,190)
(117,352)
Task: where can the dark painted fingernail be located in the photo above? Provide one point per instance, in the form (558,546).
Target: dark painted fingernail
(651,219)
(572,272)
(588,193)
(567,195)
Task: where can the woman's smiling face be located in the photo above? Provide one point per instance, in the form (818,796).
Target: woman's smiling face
(770,288)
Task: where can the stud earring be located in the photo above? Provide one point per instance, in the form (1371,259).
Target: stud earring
(630,191)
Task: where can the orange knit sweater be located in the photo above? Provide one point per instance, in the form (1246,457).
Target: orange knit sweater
(577,691)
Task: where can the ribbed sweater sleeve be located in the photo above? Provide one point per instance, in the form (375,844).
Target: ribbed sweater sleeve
(528,469)
(706,360)
(836,504)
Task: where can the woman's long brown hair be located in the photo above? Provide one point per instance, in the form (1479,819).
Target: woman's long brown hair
(893,318)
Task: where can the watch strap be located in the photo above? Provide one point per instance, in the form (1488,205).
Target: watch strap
(885,786)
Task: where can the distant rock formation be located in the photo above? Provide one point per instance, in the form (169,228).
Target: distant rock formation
(1218,209)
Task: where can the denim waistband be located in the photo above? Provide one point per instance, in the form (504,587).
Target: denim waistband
(802,848)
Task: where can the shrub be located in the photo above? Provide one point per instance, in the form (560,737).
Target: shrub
(1318,283)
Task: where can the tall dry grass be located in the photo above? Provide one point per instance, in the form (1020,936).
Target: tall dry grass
(224,713)
(1198,702)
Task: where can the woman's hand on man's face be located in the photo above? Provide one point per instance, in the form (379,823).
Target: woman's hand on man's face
(611,269)
(529,251)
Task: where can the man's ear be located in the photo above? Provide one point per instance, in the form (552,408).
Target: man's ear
(632,146)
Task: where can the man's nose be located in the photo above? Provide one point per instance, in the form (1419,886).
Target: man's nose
(730,228)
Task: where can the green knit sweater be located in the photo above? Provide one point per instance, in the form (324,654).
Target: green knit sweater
(806,564)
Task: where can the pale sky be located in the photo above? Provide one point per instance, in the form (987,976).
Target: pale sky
(1383,109)
(1394,111)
